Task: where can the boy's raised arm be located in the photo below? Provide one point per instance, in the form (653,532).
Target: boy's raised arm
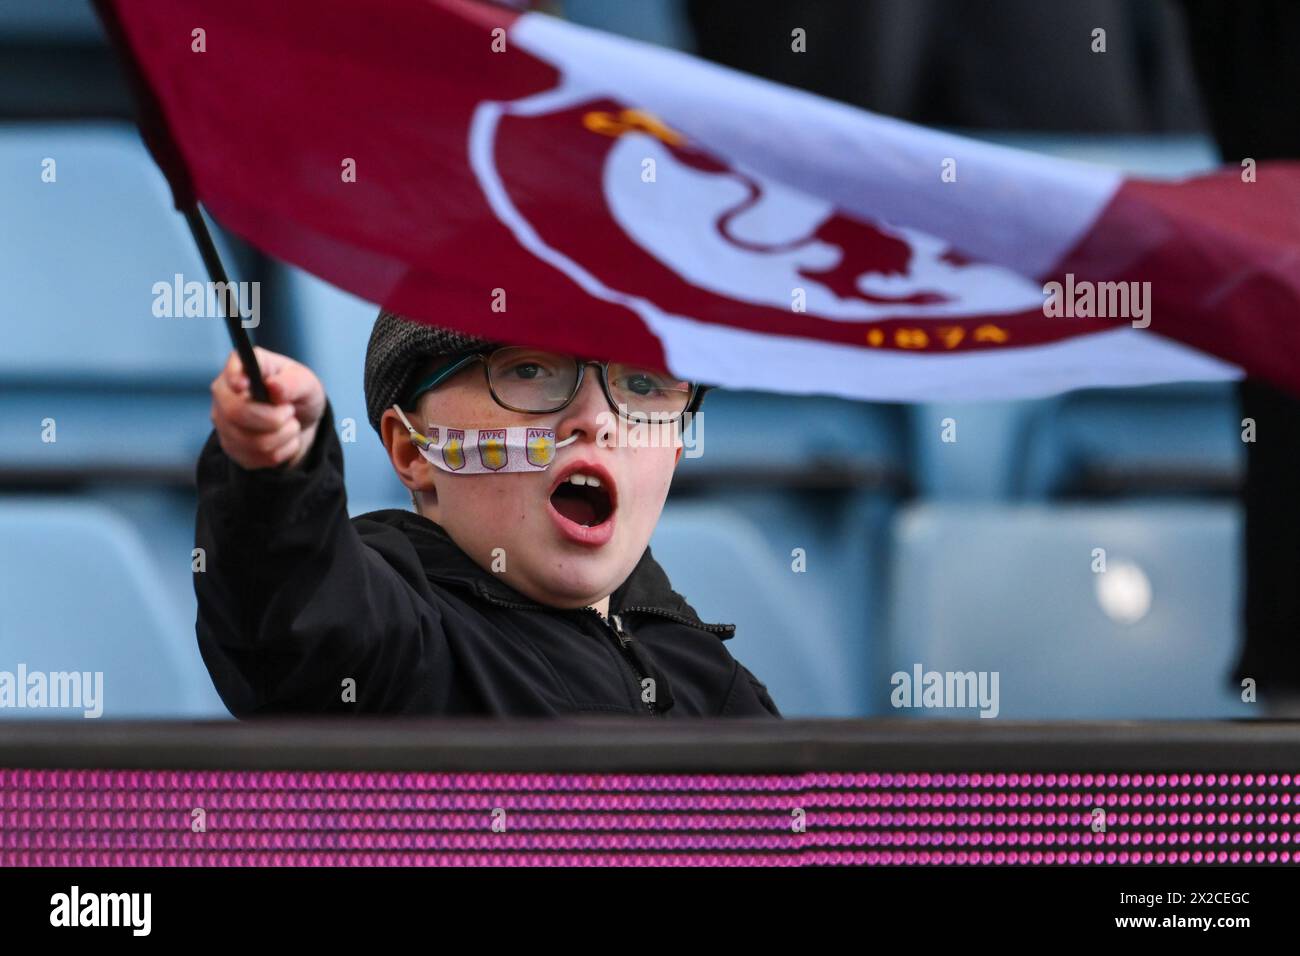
(295,612)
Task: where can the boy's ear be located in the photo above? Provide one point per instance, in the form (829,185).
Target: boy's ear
(406,459)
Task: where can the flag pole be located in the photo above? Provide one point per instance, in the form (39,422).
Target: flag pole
(162,146)
(217,274)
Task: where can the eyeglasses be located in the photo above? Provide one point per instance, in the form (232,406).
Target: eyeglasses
(536,382)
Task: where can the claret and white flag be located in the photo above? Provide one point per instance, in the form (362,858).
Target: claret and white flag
(519,177)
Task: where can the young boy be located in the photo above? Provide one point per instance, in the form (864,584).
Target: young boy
(521,585)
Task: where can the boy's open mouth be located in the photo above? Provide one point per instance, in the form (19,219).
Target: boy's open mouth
(584,499)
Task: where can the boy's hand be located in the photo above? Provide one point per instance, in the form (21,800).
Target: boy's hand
(278,434)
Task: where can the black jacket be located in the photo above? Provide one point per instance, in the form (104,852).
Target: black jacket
(295,599)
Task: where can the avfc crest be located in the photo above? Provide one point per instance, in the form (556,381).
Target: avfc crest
(453,453)
(492,448)
(540,447)
(736,242)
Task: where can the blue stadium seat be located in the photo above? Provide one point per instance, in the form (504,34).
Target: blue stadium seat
(127,391)
(809,441)
(727,570)
(1183,438)
(1011,588)
(162,516)
(1165,439)
(79,592)
(79,257)
(981,463)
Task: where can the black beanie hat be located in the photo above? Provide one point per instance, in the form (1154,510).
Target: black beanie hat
(399,349)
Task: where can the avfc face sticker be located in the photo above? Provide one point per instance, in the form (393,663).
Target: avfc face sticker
(492,448)
(453,453)
(534,448)
(540,446)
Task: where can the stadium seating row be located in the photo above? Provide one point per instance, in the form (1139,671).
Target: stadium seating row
(1015,590)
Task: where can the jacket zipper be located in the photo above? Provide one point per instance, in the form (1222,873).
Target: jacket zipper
(615,627)
(681,619)
(622,639)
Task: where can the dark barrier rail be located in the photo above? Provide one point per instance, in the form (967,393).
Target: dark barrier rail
(599,744)
(389,792)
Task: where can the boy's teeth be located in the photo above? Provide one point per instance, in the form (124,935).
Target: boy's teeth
(577,479)
(593,481)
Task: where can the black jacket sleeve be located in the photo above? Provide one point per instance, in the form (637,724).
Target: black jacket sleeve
(292,603)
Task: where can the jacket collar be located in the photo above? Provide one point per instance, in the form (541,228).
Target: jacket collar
(646,590)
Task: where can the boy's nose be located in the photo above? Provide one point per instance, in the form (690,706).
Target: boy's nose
(585,414)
